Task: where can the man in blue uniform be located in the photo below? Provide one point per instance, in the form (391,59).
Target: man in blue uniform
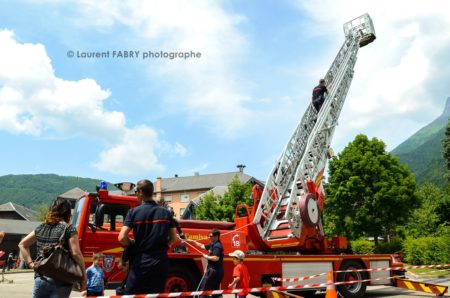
(154,232)
(214,272)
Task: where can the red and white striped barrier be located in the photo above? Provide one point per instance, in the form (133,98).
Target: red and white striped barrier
(283,288)
(248,290)
(427,266)
(294,279)
(394,268)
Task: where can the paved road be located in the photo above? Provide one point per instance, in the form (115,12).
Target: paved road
(19,285)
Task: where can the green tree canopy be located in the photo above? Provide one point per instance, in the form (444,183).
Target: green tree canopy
(369,192)
(446,149)
(41,211)
(433,214)
(222,208)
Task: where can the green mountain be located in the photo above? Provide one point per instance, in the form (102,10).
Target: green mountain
(422,152)
(33,190)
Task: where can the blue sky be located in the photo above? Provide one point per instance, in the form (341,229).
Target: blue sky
(122,119)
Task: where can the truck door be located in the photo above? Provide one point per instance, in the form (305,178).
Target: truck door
(100,235)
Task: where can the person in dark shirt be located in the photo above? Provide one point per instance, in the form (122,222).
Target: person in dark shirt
(55,224)
(318,95)
(154,232)
(214,271)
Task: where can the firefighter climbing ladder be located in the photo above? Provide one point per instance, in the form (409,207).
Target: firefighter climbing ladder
(305,155)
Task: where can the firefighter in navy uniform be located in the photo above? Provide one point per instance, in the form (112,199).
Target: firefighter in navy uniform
(214,272)
(154,232)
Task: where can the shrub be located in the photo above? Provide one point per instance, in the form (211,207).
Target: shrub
(362,246)
(427,250)
(389,247)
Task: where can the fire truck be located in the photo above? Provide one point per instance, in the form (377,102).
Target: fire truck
(282,232)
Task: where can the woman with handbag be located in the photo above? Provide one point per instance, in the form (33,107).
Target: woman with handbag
(54,230)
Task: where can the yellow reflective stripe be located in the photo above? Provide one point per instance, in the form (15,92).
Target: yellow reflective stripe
(441,289)
(276,294)
(114,250)
(285,244)
(409,285)
(425,288)
(310,259)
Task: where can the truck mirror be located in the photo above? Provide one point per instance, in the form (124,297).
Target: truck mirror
(99,215)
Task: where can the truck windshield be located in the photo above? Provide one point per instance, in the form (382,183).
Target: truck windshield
(77,211)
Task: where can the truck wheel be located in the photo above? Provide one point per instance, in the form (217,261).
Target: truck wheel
(180,279)
(355,290)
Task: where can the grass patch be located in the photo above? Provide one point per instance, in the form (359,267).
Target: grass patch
(429,271)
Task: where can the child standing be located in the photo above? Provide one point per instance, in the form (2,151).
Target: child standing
(241,278)
(95,276)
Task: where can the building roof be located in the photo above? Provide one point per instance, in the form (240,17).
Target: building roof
(25,213)
(18,227)
(217,191)
(189,210)
(74,194)
(202,181)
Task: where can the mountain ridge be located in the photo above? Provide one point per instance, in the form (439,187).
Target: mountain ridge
(31,190)
(422,151)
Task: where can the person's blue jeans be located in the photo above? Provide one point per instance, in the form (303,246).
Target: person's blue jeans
(47,287)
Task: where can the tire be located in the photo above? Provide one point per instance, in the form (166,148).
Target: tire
(180,279)
(356,290)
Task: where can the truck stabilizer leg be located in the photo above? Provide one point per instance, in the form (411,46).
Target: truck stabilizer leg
(438,290)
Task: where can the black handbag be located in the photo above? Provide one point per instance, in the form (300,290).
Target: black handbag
(56,261)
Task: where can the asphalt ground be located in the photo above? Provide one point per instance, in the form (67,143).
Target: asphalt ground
(20,285)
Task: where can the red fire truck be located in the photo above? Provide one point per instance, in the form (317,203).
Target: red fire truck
(282,233)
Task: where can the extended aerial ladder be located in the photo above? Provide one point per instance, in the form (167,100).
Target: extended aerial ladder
(290,208)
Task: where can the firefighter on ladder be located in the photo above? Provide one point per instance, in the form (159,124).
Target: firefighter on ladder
(318,95)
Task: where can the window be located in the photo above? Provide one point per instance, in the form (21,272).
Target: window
(182,211)
(167,198)
(107,216)
(184,198)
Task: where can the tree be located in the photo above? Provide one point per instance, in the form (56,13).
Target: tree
(426,219)
(41,211)
(446,149)
(208,208)
(369,191)
(221,208)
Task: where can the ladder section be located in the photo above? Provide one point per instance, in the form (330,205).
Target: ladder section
(314,159)
(278,215)
(275,192)
(359,32)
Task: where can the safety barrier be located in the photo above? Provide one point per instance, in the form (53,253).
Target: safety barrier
(295,279)
(248,290)
(284,288)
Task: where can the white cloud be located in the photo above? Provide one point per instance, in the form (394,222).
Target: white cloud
(180,149)
(134,154)
(33,101)
(204,90)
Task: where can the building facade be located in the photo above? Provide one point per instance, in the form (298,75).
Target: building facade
(177,192)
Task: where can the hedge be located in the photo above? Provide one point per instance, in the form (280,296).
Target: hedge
(427,250)
(362,246)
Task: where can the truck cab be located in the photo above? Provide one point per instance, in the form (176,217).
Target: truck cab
(99,217)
